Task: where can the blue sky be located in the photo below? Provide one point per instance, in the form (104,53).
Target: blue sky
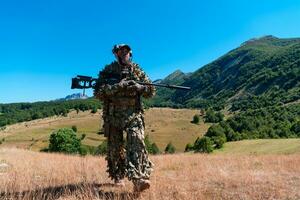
(45,43)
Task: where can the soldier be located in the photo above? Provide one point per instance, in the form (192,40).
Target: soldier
(123,113)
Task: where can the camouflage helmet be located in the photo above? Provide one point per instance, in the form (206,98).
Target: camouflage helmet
(121,46)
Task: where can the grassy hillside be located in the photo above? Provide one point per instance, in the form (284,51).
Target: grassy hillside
(32,175)
(265,146)
(163,125)
(261,72)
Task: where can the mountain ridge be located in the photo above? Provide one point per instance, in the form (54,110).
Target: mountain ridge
(267,68)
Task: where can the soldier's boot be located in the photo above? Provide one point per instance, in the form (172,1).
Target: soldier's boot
(120,183)
(141,185)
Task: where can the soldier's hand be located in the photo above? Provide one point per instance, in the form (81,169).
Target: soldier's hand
(136,87)
(126,83)
(123,83)
(131,82)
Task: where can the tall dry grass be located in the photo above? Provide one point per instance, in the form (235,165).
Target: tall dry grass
(31,175)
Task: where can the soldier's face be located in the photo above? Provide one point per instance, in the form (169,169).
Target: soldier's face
(124,54)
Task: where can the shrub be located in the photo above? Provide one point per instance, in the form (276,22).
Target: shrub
(94,110)
(203,145)
(215,130)
(213,117)
(196,119)
(74,128)
(218,141)
(148,143)
(296,128)
(83,150)
(189,147)
(102,148)
(170,148)
(151,147)
(155,149)
(64,140)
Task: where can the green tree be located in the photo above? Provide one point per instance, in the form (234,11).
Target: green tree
(296,128)
(170,148)
(64,140)
(196,119)
(210,116)
(219,116)
(217,135)
(203,145)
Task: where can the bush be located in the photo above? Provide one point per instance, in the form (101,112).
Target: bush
(94,110)
(155,149)
(218,141)
(203,145)
(170,148)
(196,119)
(102,148)
(74,128)
(64,140)
(83,150)
(213,117)
(296,128)
(147,143)
(151,147)
(215,130)
(189,147)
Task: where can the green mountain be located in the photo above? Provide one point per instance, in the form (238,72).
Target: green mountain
(260,72)
(162,97)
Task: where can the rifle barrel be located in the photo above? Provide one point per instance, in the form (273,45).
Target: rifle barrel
(165,85)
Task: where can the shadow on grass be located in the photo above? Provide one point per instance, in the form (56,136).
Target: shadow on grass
(85,190)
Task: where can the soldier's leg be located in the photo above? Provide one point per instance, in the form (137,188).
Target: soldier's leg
(115,154)
(139,166)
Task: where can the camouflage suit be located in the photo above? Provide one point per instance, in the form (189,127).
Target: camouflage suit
(123,113)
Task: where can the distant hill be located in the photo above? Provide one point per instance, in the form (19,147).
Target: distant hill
(260,72)
(19,112)
(73,97)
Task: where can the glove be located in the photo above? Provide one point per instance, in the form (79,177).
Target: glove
(125,83)
(137,87)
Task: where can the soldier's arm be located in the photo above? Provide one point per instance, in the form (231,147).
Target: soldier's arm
(149,90)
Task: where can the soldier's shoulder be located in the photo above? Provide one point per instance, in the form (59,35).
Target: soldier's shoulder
(110,67)
(137,67)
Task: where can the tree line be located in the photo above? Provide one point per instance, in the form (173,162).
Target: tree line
(19,112)
(262,123)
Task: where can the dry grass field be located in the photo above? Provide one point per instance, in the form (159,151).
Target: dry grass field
(163,125)
(31,175)
(250,169)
